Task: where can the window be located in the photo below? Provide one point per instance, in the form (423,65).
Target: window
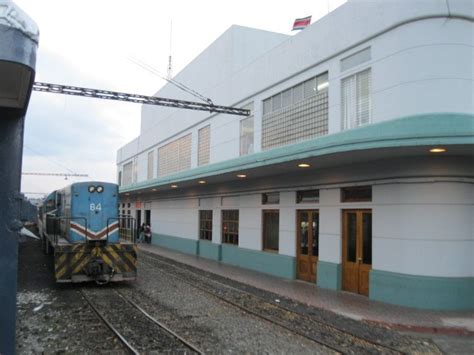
(356,194)
(150,165)
(271,198)
(135,170)
(355,59)
(271,227)
(204,141)
(286,98)
(296,114)
(120,178)
(267,106)
(323,82)
(127,173)
(205,224)
(297,93)
(230,227)
(175,156)
(356,101)
(246,133)
(307,196)
(310,88)
(276,102)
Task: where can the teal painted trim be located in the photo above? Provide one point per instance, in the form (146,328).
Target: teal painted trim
(183,245)
(269,263)
(329,275)
(209,250)
(436,293)
(421,130)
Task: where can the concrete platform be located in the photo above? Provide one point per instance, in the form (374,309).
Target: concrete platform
(343,303)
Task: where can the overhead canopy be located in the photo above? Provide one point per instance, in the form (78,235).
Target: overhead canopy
(405,137)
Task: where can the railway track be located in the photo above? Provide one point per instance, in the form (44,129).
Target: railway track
(136,329)
(330,336)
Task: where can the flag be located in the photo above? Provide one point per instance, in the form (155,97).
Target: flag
(301,23)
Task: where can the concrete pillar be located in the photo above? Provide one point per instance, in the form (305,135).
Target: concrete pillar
(18,45)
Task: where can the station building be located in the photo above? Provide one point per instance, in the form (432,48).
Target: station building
(354,170)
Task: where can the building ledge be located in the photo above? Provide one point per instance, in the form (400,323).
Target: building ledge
(428,130)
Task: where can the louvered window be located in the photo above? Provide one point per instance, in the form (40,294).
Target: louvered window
(175,156)
(204,141)
(127,174)
(150,165)
(246,132)
(356,100)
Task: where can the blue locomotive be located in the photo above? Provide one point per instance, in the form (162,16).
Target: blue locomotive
(91,242)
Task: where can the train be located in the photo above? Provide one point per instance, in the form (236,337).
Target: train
(80,224)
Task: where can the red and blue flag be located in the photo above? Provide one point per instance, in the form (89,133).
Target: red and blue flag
(301,23)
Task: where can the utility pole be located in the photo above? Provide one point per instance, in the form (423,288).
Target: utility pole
(170,70)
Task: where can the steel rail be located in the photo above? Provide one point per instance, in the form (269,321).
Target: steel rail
(373,343)
(158,323)
(109,325)
(249,311)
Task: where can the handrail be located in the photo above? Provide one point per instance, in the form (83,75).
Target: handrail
(56,233)
(130,221)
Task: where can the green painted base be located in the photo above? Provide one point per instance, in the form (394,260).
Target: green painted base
(209,250)
(269,263)
(329,275)
(187,246)
(439,293)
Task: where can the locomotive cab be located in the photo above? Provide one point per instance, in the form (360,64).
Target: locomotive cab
(90,241)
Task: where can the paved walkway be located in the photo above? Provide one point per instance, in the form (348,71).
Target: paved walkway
(344,303)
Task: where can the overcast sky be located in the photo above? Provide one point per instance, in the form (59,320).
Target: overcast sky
(89,43)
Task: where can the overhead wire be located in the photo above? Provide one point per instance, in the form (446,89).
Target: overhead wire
(176,83)
(49,159)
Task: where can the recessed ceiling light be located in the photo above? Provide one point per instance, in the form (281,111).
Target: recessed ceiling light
(241,176)
(174,186)
(201,182)
(303,165)
(437,150)
(153,189)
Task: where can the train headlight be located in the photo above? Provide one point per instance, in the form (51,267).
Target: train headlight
(99,189)
(91,189)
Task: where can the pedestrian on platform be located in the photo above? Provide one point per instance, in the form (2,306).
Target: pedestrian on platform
(141,233)
(147,234)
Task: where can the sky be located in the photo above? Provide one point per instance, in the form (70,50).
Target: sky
(90,44)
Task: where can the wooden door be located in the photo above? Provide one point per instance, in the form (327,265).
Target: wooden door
(356,250)
(307,244)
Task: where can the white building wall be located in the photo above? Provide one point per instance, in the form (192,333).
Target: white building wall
(250,222)
(435,219)
(178,218)
(330,223)
(426,65)
(217,225)
(142,166)
(225,143)
(287,243)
